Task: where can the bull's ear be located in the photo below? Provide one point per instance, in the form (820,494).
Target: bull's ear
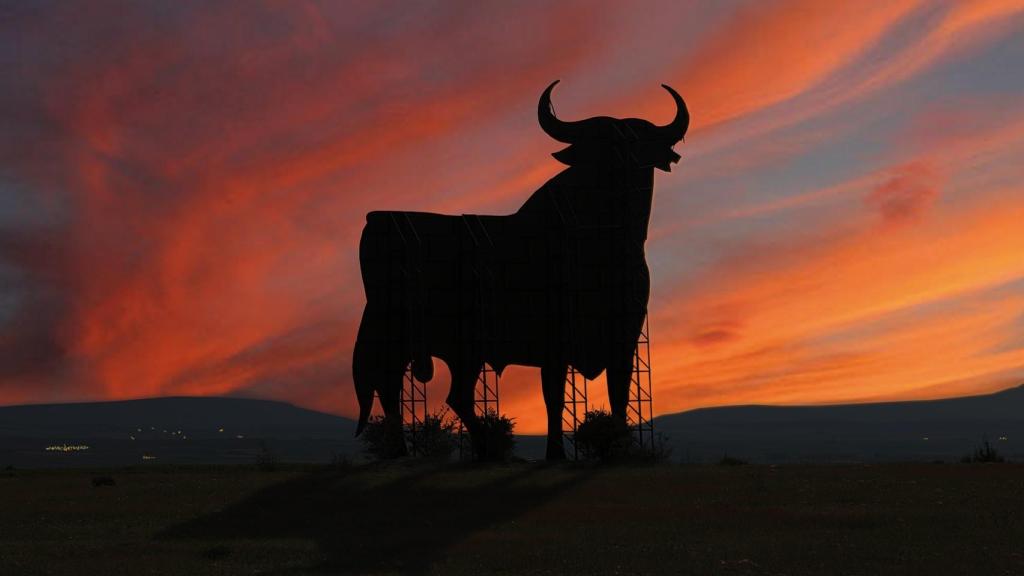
(582,153)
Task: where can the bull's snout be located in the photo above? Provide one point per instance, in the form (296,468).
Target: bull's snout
(666,164)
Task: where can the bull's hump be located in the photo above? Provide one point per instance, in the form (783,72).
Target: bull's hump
(377,215)
(380,215)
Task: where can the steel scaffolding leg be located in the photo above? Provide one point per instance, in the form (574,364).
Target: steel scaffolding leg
(575,410)
(414,409)
(640,408)
(485,399)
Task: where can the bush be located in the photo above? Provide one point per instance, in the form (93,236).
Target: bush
(341,462)
(498,437)
(436,437)
(601,436)
(659,452)
(265,459)
(382,439)
(986,453)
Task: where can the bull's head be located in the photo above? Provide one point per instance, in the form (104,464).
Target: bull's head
(602,139)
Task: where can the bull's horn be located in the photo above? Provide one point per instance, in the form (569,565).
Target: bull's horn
(677,128)
(562,131)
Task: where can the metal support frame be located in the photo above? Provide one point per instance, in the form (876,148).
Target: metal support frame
(413,408)
(575,410)
(640,407)
(485,398)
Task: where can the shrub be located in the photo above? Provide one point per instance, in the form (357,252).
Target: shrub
(341,462)
(658,452)
(436,437)
(986,453)
(730,461)
(265,459)
(383,439)
(601,436)
(498,437)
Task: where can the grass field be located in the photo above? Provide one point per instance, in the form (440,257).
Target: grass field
(519,519)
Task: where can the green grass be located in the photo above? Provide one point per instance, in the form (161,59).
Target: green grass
(401,518)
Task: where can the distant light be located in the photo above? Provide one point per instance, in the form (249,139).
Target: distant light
(1003,438)
(132,437)
(138,429)
(220,430)
(925,438)
(184,437)
(148,457)
(66,448)
(239,436)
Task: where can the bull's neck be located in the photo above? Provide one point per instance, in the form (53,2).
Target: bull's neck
(609,195)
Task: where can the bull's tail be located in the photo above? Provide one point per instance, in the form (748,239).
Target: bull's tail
(363,383)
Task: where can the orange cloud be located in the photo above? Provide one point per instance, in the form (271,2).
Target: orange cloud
(770,53)
(909,191)
(817,74)
(785,304)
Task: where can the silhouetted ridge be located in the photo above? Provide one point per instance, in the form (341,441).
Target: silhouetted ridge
(199,417)
(942,429)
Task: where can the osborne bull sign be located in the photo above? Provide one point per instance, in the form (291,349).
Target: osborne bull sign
(563,281)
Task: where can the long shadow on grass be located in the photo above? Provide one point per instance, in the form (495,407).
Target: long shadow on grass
(384,518)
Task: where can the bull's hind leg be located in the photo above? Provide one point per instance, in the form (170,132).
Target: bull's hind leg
(553,382)
(379,366)
(460,399)
(619,377)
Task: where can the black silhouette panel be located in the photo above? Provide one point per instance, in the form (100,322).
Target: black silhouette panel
(563,281)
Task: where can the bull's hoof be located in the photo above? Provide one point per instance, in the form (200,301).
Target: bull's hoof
(480,453)
(555,454)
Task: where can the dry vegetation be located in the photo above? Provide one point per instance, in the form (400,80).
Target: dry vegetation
(402,518)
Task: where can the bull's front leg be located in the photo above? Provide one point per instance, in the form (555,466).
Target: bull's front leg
(553,382)
(619,377)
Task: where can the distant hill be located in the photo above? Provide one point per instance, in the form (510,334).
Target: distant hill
(170,430)
(197,417)
(216,430)
(917,430)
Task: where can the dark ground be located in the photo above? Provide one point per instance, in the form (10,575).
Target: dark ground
(402,518)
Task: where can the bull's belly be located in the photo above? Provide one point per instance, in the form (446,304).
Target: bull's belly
(526,334)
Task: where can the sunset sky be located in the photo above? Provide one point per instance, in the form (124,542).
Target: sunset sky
(182,186)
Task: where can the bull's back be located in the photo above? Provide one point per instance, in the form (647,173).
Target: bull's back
(392,246)
(441,255)
(523,284)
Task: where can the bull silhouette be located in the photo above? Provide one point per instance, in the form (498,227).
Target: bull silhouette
(563,281)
